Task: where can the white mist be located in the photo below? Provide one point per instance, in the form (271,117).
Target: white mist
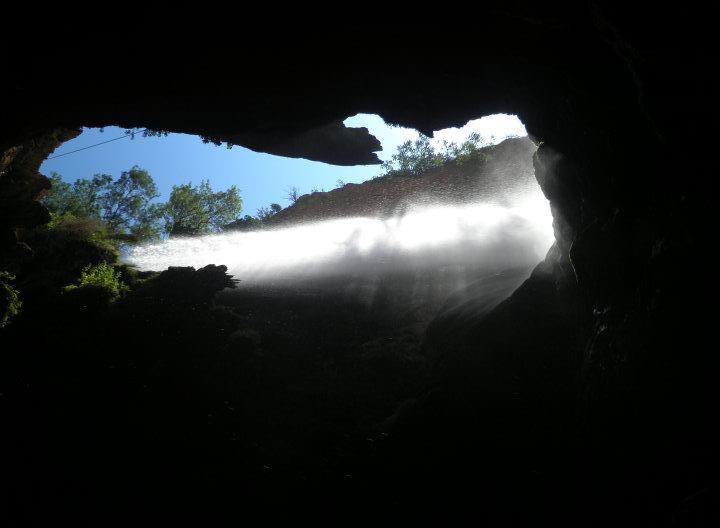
(482,235)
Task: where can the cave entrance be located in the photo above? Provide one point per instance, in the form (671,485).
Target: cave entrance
(446,225)
(425,231)
(421,197)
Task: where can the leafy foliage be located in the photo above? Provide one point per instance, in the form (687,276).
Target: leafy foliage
(246,223)
(125,209)
(266,213)
(469,150)
(66,245)
(10,303)
(123,205)
(216,142)
(197,210)
(126,204)
(102,276)
(252,223)
(81,198)
(85,228)
(147,132)
(413,158)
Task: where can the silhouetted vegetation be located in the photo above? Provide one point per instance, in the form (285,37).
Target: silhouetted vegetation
(293,193)
(266,213)
(246,223)
(413,158)
(252,223)
(10,303)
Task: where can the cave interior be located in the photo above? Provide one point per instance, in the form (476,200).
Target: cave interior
(606,343)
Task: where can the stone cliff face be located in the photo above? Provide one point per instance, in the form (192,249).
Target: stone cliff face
(497,175)
(21,185)
(613,99)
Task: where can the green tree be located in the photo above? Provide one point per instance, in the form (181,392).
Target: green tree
(123,205)
(266,213)
(246,223)
(413,158)
(252,223)
(82,198)
(102,276)
(196,210)
(126,205)
(468,150)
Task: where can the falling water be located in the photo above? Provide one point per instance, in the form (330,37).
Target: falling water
(482,235)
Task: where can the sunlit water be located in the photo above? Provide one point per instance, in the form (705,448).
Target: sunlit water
(482,235)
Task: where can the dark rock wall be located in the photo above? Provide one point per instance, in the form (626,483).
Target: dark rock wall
(21,185)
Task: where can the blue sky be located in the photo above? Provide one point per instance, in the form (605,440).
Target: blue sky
(261,178)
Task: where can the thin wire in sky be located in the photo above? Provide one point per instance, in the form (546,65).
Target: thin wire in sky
(127,134)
